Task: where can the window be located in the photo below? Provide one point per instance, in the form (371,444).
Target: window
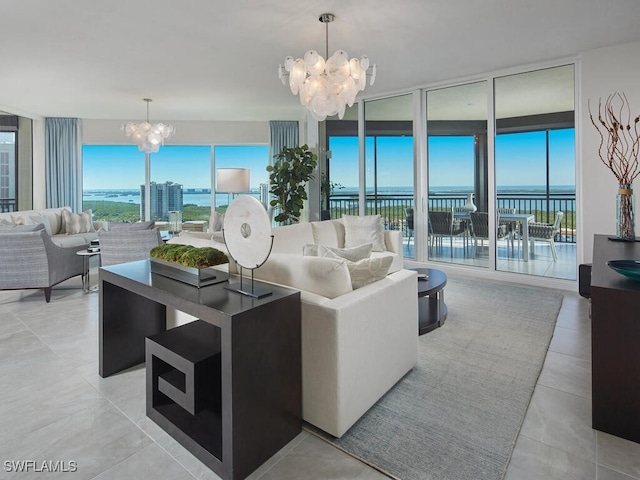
(114,180)
(8,172)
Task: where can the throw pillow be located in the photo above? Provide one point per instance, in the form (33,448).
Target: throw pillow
(367,270)
(353,254)
(365,229)
(32,220)
(77,222)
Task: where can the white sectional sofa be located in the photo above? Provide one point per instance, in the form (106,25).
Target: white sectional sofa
(356,343)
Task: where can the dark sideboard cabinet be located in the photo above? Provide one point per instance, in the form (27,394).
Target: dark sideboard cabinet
(615,341)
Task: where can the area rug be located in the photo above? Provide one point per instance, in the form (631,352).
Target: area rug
(457,414)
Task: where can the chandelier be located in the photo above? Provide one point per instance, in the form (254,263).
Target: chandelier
(146,136)
(326,87)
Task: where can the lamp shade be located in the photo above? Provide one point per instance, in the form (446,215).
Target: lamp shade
(232,180)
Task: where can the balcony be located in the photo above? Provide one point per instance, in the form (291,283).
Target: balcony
(542,206)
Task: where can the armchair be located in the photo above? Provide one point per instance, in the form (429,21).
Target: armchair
(30,259)
(480,229)
(441,224)
(545,232)
(127,244)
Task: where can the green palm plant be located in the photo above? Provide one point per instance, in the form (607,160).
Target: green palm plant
(288,177)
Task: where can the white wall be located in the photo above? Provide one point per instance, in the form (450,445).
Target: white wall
(602,72)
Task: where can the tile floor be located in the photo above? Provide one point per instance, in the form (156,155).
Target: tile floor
(55,407)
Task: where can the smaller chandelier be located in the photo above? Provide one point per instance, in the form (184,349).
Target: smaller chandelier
(326,87)
(146,136)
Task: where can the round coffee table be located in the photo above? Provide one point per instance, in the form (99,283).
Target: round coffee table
(432,311)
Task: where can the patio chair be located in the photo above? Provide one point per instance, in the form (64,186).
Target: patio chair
(512,227)
(545,232)
(480,229)
(408,214)
(442,224)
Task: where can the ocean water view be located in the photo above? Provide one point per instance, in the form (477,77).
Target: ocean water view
(202,199)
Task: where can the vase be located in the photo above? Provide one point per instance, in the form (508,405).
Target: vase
(469,206)
(625,212)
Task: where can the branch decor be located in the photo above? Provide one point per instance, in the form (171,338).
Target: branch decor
(618,151)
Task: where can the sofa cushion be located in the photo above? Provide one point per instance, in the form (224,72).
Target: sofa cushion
(76,240)
(77,222)
(55,218)
(364,229)
(327,277)
(329,233)
(292,238)
(353,254)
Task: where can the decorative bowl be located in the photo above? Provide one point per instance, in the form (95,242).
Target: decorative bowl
(628,268)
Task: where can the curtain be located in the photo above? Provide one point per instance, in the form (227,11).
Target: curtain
(283,134)
(63,151)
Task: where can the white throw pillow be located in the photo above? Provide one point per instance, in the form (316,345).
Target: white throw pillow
(364,229)
(353,254)
(365,271)
(77,222)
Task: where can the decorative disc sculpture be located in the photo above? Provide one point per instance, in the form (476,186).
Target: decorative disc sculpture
(247,235)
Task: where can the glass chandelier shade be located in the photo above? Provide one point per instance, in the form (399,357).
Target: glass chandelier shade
(326,87)
(148,137)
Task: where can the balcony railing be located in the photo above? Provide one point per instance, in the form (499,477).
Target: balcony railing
(7,205)
(392,208)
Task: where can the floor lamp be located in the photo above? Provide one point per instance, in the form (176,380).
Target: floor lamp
(232,180)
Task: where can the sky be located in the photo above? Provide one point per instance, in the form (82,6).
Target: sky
(520,160)
(122,166)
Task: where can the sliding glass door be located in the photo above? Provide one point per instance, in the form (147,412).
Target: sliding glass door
(389,165)
(535,171)
(457,175)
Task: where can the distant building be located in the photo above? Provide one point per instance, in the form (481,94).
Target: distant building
(165,197)
(7,177)
(264,194)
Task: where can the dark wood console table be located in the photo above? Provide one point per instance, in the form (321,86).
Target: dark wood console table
(259,372)
(615,341)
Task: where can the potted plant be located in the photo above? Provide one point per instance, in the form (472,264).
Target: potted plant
(288,177)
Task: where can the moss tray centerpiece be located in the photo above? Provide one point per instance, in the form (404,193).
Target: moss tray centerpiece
(189,264)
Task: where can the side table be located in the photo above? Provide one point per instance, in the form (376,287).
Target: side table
(86,276)
(432,311)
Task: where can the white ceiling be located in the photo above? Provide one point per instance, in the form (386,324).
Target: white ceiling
(216,60)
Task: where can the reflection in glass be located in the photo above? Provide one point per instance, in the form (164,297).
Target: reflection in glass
(535,170)
(457,174)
